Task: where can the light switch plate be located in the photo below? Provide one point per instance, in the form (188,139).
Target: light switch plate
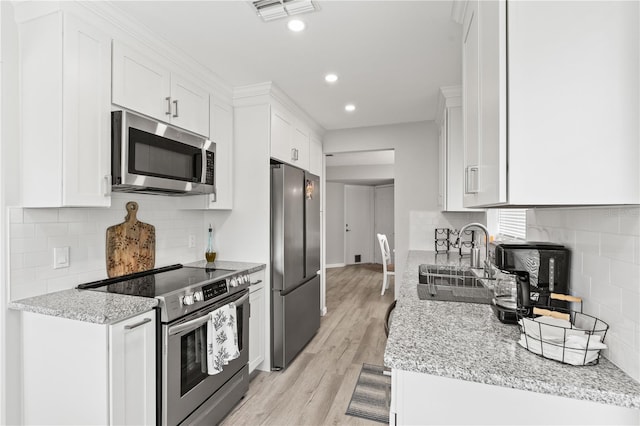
(61,257)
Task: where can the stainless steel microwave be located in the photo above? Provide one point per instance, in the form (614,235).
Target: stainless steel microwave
(151,157)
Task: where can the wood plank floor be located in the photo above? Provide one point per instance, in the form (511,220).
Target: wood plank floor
(317,387)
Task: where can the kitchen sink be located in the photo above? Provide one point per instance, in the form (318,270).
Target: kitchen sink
(448,283)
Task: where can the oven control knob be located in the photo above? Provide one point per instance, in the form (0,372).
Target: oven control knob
(233,282)
(188,299)
(198,296)
(245,279)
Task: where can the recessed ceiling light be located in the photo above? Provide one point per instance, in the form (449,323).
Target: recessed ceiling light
(296,25)
(349,107)
(331,78)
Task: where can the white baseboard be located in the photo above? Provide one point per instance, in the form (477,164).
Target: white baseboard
(335,265)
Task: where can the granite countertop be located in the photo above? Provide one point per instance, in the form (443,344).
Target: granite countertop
(85,305)
(107,308)
(248,267)
(466,341)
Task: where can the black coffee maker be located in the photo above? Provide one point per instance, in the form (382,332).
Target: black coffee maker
(531,271)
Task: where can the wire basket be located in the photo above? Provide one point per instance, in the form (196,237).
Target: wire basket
(563,335)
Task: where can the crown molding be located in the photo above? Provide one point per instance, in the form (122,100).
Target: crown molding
(267,92)
(448,97)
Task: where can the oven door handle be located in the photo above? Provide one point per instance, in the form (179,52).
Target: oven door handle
(196,323)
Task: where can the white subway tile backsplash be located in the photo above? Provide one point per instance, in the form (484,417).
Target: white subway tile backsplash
(35,232)
(587,242)
(40,215)
(618,247)
(73,215)
(22,230)
(51,229)
(605,269)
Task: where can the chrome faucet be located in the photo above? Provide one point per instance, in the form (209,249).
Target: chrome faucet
(487,267)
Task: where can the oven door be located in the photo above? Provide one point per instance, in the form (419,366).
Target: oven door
(185,382)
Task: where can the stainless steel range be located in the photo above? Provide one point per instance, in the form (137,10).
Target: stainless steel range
(187,393)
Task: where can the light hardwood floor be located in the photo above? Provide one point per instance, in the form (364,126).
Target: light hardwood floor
(317,386)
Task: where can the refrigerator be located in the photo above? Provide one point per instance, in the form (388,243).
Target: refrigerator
(295,262)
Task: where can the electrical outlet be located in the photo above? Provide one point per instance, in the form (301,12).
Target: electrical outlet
(192,241)
(61,257)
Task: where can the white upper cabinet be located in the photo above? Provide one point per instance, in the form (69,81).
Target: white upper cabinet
(451,151)
(289,138)
(189,106)
(315,155)
(65,67)
(281,135)
(222,136)
(142,85)
(300,147)
(557,103)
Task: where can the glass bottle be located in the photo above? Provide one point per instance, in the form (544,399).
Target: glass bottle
(210,255)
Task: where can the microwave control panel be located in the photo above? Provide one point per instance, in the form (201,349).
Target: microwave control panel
(209,172)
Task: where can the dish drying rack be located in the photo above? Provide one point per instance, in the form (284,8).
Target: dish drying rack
(563,335)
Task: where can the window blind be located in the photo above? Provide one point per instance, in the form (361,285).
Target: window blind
(513,223)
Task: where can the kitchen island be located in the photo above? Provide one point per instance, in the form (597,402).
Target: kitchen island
(456,363)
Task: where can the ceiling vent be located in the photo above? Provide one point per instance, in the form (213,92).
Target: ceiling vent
(269,10)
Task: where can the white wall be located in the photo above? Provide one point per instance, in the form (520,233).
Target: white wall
(605,269)
(335,224)
(344,173)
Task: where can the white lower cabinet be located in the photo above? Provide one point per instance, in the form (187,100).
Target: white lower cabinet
(425,399)
(257,322)
(80,373)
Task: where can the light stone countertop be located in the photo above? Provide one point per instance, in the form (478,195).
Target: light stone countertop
(85,305)
(107,308)
(467,341)
(227,264)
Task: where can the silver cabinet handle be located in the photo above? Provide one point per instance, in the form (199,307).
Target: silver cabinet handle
(471,180)
(106,185)
(257,282)
(293,154)
(168,99)
(175,104)
(138,324)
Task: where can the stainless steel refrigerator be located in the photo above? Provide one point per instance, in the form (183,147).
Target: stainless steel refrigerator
(295,261)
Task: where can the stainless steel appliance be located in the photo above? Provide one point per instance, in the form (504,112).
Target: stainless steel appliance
(186,393)
(148,156)
(295,261)
(528,273)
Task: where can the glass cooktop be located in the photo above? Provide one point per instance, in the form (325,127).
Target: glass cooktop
(158,282)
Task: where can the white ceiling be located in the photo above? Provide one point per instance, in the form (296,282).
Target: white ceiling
(391,56)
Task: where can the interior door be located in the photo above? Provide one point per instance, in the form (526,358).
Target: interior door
(383,219)
(359,235)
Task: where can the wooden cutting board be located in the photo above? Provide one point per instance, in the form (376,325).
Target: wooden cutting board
(131,245)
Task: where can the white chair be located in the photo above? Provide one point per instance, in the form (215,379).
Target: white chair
(387,266)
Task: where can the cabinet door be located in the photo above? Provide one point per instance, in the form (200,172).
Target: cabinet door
(315,155)
(189,106)
(281,135)
(470,101)
(257,321)
(132,362)
(442,163)
(300,147)
(86,115)
(222,136)
(140,84)
(492,173)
